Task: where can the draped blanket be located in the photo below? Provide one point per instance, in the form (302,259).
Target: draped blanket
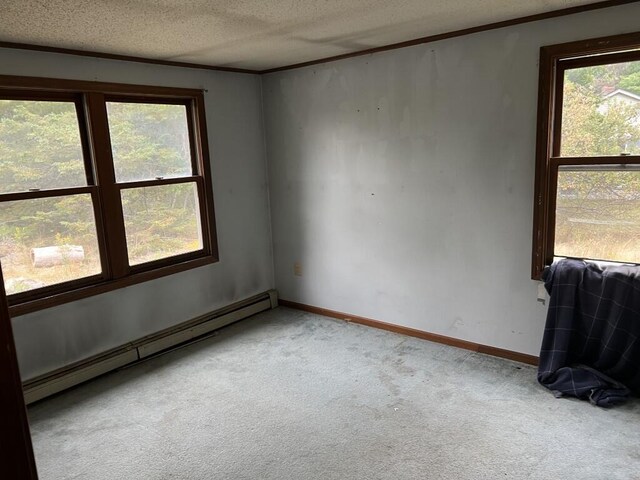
(591,343)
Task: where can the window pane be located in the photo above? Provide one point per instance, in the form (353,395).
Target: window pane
(598,214)
(601,110)
(161,221)
(47,241)
(149,141)
(40,146)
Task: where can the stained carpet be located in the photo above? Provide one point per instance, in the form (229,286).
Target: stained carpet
(292,395)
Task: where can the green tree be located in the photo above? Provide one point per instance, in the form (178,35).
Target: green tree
(631,83)
(593,126)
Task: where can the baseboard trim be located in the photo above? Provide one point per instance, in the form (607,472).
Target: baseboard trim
(412,332)
(164,342)
(58,383)
(192,330)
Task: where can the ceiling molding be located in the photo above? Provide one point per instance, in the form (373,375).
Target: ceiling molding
(458,33)
(124,58)
(393,46)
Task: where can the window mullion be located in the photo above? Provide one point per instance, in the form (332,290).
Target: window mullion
(193,140)
(56,192)
(558,98)
(207,210)
(598,160)
(157,182)
(202,207)
(89,170)
(551,215)
(109,195)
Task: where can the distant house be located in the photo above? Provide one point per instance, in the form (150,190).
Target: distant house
(620,95)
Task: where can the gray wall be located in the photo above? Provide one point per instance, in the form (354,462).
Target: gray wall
(58,336)
(403,181)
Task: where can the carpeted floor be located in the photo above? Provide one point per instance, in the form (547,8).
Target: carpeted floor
(291,395)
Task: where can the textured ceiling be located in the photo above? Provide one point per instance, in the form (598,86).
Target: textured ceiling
(251,34)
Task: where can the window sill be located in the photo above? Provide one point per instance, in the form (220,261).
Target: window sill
(598,262)
(105,286)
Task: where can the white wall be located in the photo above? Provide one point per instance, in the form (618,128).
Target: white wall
(403,181)
(58,336)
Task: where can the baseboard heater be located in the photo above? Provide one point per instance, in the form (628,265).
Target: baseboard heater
(67,377)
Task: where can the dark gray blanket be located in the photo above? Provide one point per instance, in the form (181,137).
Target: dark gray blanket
(591,343)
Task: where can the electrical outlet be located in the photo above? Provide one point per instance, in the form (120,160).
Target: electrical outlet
(297,269)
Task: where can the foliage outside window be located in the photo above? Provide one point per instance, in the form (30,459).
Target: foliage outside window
(101,186)
(587,202)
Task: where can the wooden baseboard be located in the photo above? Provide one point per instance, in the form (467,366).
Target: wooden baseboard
(412,332)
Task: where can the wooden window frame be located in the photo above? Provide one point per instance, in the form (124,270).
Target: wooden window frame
(554,61)
(18,460)
(91,100)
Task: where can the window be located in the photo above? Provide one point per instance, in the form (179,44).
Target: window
(101,186)
(587,192)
